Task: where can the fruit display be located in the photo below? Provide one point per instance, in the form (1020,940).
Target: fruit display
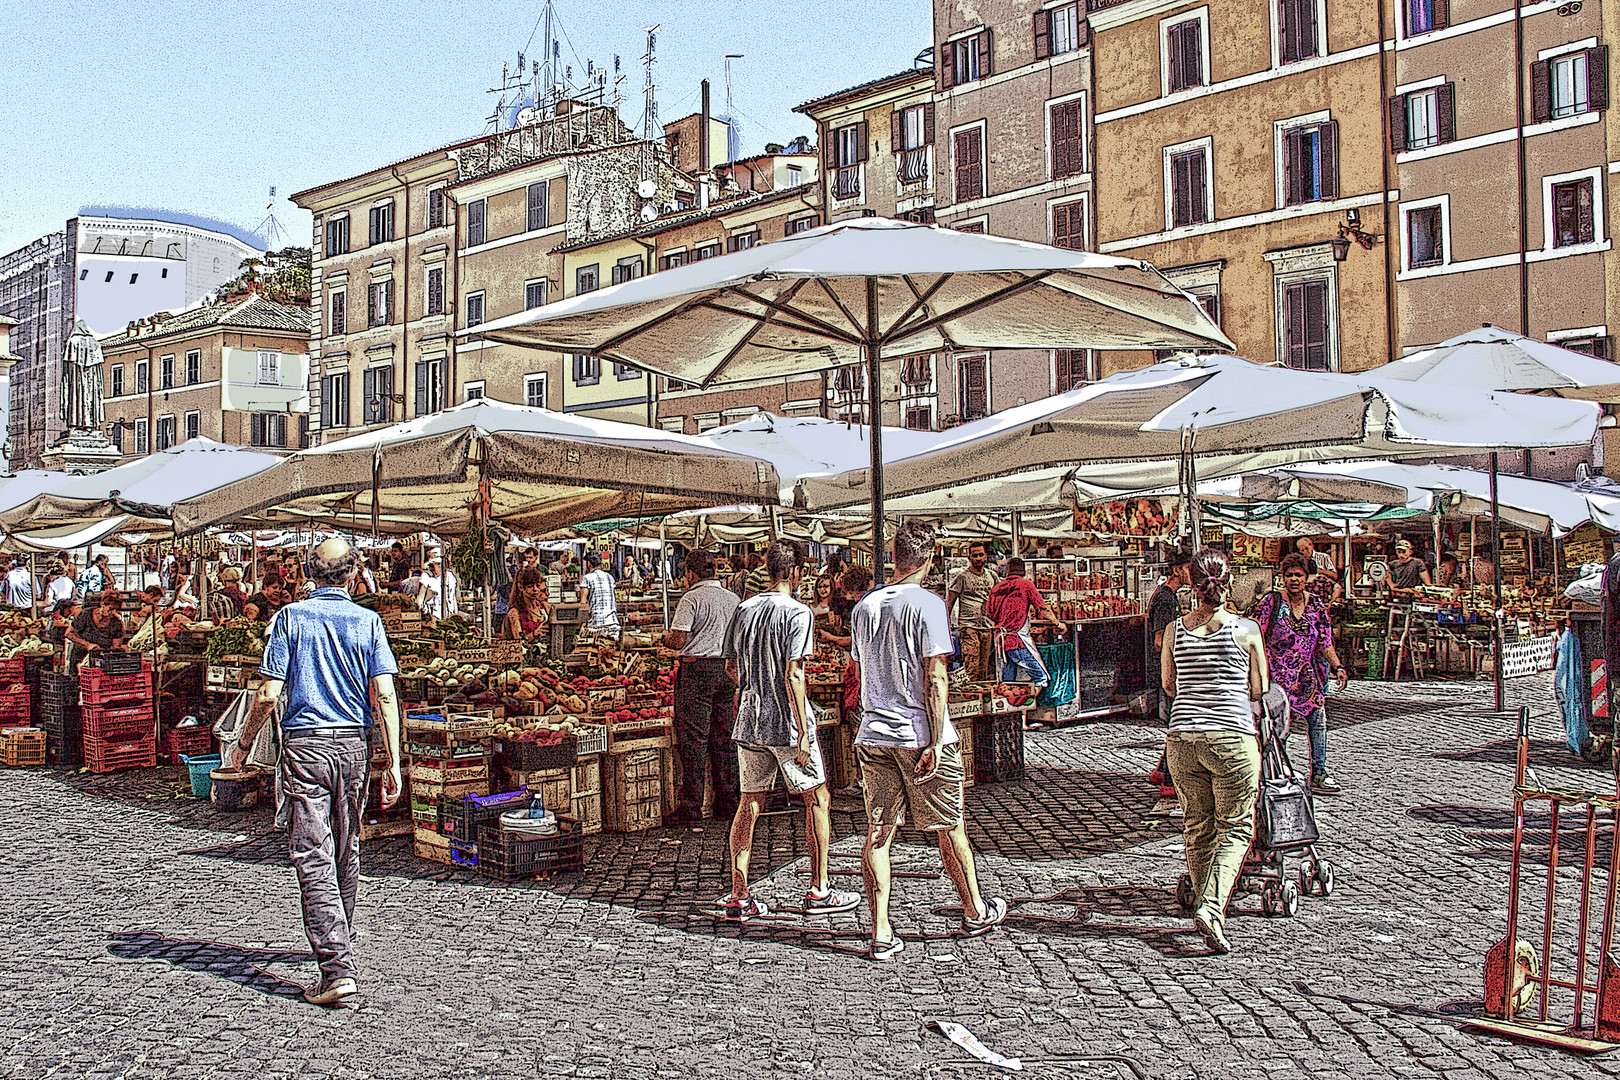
(1097,607)
(446,672)
(540,730)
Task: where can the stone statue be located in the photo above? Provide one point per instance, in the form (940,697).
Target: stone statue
(81,381)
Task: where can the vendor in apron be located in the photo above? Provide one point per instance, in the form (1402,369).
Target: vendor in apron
(1011,607)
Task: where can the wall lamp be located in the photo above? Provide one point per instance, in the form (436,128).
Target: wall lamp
(1351,230)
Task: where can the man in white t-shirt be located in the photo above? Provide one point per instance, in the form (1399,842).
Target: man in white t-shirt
(19,585)
(596,593)
(438,597)
(911,763)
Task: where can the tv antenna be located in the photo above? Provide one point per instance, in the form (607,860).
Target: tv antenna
(649,122)
(270,228)
(731,114)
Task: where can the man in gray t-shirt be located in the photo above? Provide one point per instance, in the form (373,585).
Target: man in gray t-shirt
(766,646)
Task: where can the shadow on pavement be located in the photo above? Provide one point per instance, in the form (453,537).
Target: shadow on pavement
(1544,754)
(1490,829)
(240,966)
(1346,711)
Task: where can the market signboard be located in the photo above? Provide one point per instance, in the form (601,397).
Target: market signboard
(1146,518)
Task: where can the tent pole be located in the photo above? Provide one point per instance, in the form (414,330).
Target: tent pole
(873,346)
(1017,529)
(663,578)
(1496,584)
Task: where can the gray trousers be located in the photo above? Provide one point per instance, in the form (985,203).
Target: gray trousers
(325,782)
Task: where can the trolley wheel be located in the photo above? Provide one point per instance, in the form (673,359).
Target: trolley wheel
(1184,892)
(1307,877)
(1324,877)
(1290,899)
(1268,899)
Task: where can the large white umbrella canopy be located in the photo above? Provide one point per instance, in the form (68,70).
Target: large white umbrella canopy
(1491,358)
(860,290)
(145,489)
(545,470)
(21,486)
(810,445)
(1125,434)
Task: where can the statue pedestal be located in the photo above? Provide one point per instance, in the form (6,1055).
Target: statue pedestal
(85,452)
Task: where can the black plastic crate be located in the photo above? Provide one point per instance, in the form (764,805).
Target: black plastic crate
(463,821)
(57,688)
(509,856)
(115,662)
(64,741)
(523,756)
(998,748)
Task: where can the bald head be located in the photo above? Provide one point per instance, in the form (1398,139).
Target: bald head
(332,562)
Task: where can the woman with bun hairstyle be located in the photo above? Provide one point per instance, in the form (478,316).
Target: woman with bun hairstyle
(1213,666)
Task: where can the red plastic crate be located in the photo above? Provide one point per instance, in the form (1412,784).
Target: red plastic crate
(109,755)
(18,705)
(96,687)
(118,722)
(188,742)
(13,670)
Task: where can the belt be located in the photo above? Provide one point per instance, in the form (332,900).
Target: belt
(324,733)
(703,661)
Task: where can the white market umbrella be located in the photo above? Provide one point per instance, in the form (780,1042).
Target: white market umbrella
(145,489)
(810,445)
(1124,434)
(1491,358)
(544,470)
(858,291)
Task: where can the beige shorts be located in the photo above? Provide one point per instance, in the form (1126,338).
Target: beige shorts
(758,766)
(894,795)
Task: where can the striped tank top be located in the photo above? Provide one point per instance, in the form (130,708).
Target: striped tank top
(1212,682)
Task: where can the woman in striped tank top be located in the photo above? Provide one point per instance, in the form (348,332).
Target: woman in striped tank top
(1214,667)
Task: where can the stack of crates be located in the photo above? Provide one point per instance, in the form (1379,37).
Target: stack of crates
(460,824)
(60,716)
(450,754)
(116,708)
(998,748)
(16,696)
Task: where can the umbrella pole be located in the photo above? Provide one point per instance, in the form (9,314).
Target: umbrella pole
(663,578)
(1496,585)
(873,347)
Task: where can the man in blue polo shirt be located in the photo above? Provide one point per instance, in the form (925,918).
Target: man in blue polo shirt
(328,652)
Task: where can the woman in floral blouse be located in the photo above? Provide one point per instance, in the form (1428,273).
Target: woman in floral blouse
(1301,656)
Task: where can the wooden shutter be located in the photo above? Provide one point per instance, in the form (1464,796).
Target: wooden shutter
(371,304)
(1397,123)
(1294,326)
(975,399)
(969,153)
(1328,147)
(928,124)
(1584,202)
(897,131)
(1069,226)
(1446,107)
(985,68)
(1043,34)
(1597,78)
(421,389)
(1442,14)
(862,138)
(1316,328)
(832,148)
(1172,51)
(1293,173)
(1067,147)
(946,62)
(1192,54)
(1306,15)
(1541,91)
(1197,188)
(1180,204)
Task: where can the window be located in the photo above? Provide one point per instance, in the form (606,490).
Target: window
(672,260)
(586,279)
(537,206)
(140,437)
(166,372)
(1058,31)
(966,59)
(1305,325)
(116,388)
(380,303)
(1422,118)
(140,377)
(742,241)
(974,391)
(429,386)
(433,294)
(1310,163)
(1597,345)
(627,269)
(1425,239)
(912,132)
(132,278)
(1571,84)
(917,370)
(534,390)
(587,370)
(473,391)
(795,175)
(193,367)
(845,152)
(919,418)
(534,294)
(269,367)
(705,251)
(475,308)
(706,421)
(117,436)
(803,224)
(1071,368)
(1296,31)
(267,429)
(969,164)
(1425,15)
(381,228)
(970,226)
(377,384)
(625,372)
(849,379)
(1572,214)
(435,208)
(165,433)
(335,400)
(193,424)
(677,424)
(1068,139)
(1189,188)
(338,324)
(1184,55)
(475,223)
(1069,225)
(337,236)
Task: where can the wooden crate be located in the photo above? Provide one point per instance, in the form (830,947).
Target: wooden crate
(432,846)
(633,783)
(22,746)
(964,738)
(553,787)
(588,776)
(470,771)
(588,809)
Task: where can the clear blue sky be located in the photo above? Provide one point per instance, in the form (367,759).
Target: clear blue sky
(201,107)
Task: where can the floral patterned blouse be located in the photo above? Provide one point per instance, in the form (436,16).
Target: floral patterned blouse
(1295,649)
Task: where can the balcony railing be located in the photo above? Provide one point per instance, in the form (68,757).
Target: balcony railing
(847,182)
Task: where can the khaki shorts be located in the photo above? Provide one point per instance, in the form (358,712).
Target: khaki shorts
(758,766)
(894,796)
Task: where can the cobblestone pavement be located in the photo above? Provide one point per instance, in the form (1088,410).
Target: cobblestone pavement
(155,937)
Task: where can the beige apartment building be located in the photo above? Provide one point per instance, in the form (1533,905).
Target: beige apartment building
(236,372)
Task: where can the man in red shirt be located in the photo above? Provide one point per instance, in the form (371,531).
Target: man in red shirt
(1010,607)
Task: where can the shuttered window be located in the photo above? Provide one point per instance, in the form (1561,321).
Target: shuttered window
(969,164)
(475,223)
(975,388)
(339,322)
(429,387)
(919,418)
(382,223)
(1311,163)
(335,400)
(1068,141)
(378,385)
(433,302)
(268,429)
(380,303)
(1296,26)
(1570,85)
(1189,188)
(965,60)
(1425,15)
(1069,225)
(474,308)
(917,370)
(1572,214)
(1184,52)
(337,237)
(435,208)
(1305,325)
(537,206)
(1425,241)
